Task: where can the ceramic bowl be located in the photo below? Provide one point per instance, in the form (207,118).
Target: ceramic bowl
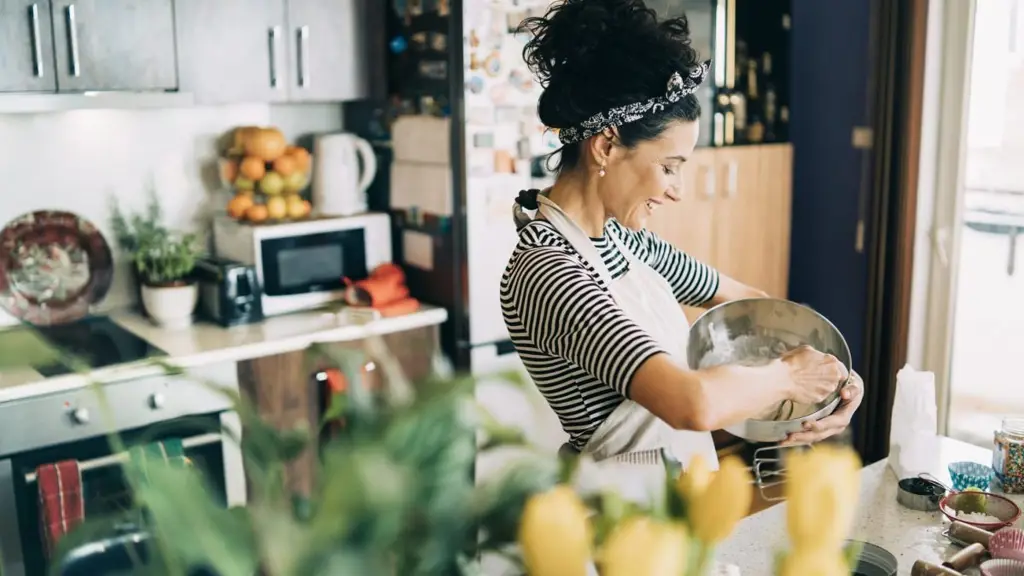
(1008,544)
(994,505)
(874,560)
(970,475)
(1002,567)
(755,331)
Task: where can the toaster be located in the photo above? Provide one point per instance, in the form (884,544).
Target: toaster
(229,293)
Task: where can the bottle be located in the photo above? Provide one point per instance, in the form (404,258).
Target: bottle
(753,108)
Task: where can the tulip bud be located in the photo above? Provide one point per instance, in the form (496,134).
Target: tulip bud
(695,479)
(726,501)
(644,546)
(555,534)
(821,492)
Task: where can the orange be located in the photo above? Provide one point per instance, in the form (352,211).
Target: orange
(285,165)
(256,213)
(277,207)
(301,157)
(307,207)
(239,205)
(252,168)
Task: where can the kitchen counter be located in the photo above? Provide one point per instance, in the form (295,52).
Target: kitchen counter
(205,343)
(908,535)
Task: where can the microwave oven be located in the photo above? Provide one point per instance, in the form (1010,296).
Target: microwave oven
(303,265)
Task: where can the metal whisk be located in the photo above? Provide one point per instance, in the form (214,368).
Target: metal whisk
(768,468)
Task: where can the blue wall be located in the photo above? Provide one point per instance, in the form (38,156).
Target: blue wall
(830,69)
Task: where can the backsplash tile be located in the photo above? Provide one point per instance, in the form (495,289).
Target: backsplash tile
(79,160)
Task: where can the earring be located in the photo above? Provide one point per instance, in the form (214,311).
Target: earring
(601,172)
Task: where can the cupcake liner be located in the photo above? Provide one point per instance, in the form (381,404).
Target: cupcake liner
(1007,543)
(1002,567)
(970,475)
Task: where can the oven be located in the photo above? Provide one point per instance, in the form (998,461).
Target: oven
(190,411)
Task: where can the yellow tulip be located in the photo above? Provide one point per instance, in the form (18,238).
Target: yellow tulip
(554,534)
(695,479)
(725,502)
(647,547)
(815,563)
(822,487)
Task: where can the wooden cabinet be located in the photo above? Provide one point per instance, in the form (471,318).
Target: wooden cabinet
(87,45)
(273,50)
(26,47)
(735,213)
(233,50)
(114,45)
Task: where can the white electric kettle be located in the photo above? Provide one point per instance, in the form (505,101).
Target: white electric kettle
(344,168)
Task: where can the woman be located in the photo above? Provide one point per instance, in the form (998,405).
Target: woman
(591,299)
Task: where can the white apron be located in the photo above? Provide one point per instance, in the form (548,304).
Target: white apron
(630,440)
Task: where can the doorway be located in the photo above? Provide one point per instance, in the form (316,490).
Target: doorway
(975,340)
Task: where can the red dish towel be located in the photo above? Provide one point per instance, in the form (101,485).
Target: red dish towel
(61,506)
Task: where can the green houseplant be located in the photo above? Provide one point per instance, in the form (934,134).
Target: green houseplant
(164,266)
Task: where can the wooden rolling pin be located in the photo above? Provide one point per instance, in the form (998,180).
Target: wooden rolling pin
(922,568)
(965,558)
(969,534)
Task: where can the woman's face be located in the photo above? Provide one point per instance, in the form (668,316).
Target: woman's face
(638,180)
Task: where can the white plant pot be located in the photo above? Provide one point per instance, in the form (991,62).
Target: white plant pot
(170,306)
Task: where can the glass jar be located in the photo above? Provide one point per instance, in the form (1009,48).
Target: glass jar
(1008,455)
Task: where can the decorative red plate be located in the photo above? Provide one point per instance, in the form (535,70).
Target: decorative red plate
(53,267)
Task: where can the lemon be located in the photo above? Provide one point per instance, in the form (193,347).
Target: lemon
(972,502)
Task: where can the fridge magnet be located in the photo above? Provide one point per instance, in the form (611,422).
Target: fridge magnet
(550,140)
(443,8)
(521,80)
(492,66)
(475,84)
(506,114)
(513,20)
(438,41)
(499,94)
(474,39)
(523,148)
(415,7)
(474,61)
(482,115)
(483,140)
(400,7)
(419,40)
(503,162)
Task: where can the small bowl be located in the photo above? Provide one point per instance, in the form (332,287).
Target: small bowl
(1002,567)
(970,474)
(1007,544)
(986,503)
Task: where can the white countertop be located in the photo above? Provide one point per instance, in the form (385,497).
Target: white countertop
(908,535)
(205,343)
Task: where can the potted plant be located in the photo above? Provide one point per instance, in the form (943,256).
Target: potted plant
(136,229)
(164,265)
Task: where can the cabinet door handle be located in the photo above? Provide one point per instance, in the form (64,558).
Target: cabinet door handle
(303,56)
(73,40)
(37,43)
(709,182)
(732,180)
(273,35)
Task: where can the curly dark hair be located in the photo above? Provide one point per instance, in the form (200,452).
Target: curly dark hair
(593,55)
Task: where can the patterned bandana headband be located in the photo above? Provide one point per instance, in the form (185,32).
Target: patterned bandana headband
(676,89)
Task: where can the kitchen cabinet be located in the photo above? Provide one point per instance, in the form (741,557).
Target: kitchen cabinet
(735,213)
(274,50)
(108,45)
(26,47)
(232,50)
(328,50)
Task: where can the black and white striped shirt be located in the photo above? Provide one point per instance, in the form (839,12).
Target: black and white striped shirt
(579,347)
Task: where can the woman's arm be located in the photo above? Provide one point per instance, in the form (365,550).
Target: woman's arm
(730,289)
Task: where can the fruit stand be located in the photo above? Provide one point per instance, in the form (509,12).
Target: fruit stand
(266,176)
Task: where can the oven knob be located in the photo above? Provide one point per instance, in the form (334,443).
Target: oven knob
(157,401)
(80,415)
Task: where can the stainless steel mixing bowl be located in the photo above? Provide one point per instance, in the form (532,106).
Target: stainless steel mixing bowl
(758,330)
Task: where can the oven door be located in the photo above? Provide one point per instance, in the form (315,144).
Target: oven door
(104,488)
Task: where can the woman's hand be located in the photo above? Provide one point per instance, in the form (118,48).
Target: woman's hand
(815,375)
(852,395)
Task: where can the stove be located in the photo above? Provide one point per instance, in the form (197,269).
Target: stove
(97,342)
